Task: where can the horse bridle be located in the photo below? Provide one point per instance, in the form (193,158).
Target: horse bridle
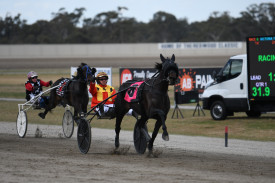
(88,71)
(166,66)
(152,85)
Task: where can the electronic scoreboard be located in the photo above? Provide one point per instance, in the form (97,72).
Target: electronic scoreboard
(261,68)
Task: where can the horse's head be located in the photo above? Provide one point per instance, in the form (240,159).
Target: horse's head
(86,73)
(169,68)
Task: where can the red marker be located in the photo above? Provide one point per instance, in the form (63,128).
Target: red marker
(226,136)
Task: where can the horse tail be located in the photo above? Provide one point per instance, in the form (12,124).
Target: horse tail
(53,95)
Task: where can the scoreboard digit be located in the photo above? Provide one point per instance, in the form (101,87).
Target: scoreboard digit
(261,68)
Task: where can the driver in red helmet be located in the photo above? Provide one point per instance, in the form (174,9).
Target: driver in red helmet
(34,87)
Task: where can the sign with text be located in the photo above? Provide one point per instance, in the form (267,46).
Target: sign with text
(135,73)
(201,45)
(191,81)
(194,79)
(261,68)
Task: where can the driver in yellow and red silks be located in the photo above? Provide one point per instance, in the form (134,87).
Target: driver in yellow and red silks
(102,91)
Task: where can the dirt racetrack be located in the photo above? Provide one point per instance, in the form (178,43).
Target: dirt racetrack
(52,158)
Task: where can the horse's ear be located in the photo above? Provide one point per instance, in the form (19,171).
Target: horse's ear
(93,70)
(162,58)
(173,58)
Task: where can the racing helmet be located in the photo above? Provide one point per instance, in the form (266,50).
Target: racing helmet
(32,74)
(101,75)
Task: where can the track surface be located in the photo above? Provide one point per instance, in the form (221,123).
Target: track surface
(49,157)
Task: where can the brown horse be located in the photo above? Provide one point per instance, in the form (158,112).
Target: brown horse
(154,102)
(75,94)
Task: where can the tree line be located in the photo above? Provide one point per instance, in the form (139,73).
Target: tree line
(112,27)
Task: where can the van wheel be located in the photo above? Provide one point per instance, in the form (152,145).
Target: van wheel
(253,114)
(218,110)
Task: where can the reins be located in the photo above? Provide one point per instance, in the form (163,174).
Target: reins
(154,79)
(104,101)
(88,71)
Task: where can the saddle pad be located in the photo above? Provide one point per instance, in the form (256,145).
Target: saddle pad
(133,94)
(60,91)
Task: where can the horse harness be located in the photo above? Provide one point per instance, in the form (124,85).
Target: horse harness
(63,87)
(153,79)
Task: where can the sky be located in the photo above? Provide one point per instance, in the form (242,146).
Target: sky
(141,10)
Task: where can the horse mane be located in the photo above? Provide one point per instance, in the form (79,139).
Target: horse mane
(80,74)
(158,66)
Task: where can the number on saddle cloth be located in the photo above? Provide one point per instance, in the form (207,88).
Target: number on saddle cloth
(60,91)
(133,94)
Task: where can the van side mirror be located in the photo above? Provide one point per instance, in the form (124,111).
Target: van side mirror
(217,77)
(214,75)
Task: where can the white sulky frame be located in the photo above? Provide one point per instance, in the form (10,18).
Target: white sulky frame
(22,121)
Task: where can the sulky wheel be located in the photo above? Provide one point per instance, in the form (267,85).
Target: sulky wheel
(68,124)
(140,139)
(22,124)
(84,136)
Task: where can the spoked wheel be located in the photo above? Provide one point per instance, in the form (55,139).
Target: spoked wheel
(140,139)
(22,124)
(68,124)
(84,136)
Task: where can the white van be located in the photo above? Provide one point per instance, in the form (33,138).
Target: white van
(233,91)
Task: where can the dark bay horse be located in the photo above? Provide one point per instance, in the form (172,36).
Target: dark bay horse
(154,101)
(75,93)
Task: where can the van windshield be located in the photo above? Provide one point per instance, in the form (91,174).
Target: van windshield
(232,69)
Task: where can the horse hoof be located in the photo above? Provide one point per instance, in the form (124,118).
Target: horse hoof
(42,115)
(117,143)
(165,137)
(150,154)
(77,121)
